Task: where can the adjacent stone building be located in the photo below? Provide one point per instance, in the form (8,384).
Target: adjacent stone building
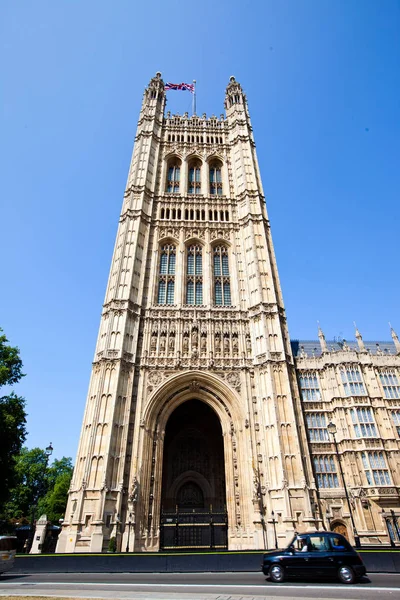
(204,426)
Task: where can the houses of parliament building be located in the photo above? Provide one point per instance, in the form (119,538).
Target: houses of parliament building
(205,425)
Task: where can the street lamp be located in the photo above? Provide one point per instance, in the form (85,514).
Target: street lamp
(331,427)
(274,525)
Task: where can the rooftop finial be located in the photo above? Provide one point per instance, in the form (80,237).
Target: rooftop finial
(322,341)
(359,339)
(395,339)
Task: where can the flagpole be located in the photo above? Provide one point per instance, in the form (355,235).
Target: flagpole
(194,97)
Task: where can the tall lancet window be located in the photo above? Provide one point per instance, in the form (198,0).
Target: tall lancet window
(194,180)
(222,283)
(173,176)
(216,178)
(194,274)
(166,281)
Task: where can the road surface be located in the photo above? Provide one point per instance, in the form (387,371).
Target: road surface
(193,586)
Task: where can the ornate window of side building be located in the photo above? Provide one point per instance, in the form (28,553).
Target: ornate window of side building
(309,387)
(316,425)
(396,420)
(194,275)
(363,422)
(325,470)
(375,468)
(215,174)
(194,177)
(222,284)
(352,381)
(166,277)
(173,175)
(390,384)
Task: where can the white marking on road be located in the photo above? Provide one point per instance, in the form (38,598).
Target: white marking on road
(205,585)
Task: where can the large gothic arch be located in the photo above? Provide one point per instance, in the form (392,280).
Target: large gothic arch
(225,403)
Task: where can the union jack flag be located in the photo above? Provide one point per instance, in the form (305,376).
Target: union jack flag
(184,87)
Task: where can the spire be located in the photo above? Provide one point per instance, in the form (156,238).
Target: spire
(359,339)
(322,341)
(154,93)
(395,339)
(234,96)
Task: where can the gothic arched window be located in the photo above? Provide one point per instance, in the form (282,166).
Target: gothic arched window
(194,275)
(173,175)
(215,178)
(194,177)
(166,277)
(222,284)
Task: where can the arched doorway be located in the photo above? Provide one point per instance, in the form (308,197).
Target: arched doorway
(193,499)
(339,527)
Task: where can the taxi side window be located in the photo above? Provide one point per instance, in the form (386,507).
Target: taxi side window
(318,543)
(338,545)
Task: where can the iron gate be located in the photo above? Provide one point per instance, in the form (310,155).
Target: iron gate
(194,529)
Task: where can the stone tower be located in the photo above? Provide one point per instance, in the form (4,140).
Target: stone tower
(193,406)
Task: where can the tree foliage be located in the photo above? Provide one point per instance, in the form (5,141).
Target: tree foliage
(12,417)
(40,488)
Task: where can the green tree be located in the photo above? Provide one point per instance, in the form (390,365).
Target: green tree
(31,474)
(12,417)
(54,503)
(40,489)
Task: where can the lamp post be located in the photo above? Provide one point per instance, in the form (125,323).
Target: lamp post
(274,525)
(331,427)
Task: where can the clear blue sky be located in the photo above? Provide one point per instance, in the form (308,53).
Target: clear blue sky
(322,79)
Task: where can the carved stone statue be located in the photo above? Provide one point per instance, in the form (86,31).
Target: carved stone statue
(226,344)
(171,343)
(153,344)
(162,343)
(133,495)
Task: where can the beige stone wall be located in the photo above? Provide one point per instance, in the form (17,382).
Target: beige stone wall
(365,421)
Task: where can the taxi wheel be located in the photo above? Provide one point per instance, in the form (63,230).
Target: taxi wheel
(346,574)
(277,573)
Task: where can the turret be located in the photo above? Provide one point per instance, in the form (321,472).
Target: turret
(360,341)
(395,339)
(322,341)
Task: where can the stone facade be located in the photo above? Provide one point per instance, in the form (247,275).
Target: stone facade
(194,316)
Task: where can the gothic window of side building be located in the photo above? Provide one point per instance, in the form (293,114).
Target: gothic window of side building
(222,285)
(216,178)
(173,176)
(194,179)
(352,381)
(363,422)
(325,470)
(375,467)
(166,282)
(316,425)
(390,384)
(194,274)
(309,387)
(396,420)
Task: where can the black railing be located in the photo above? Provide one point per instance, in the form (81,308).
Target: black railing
(194,529)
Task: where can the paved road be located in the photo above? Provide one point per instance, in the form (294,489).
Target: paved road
(193,586)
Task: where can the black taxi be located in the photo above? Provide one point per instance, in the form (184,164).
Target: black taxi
(318,554)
